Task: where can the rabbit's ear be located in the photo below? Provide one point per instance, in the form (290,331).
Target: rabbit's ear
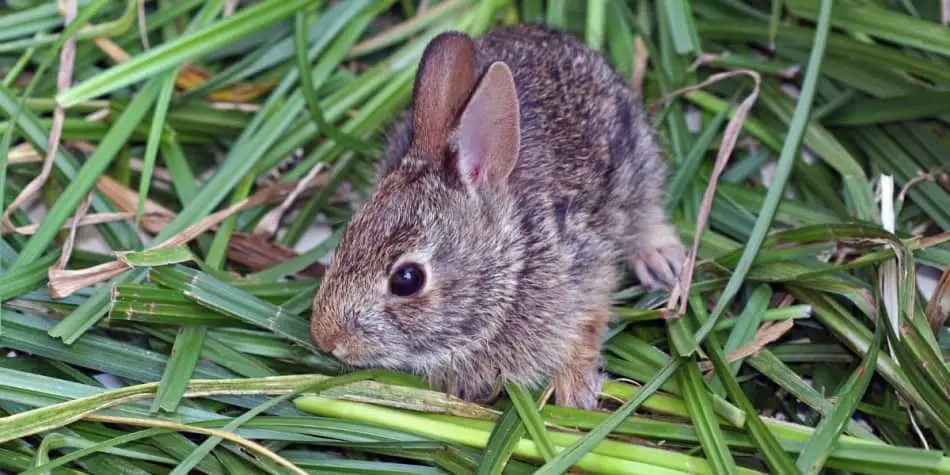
(444,82)
(489,132)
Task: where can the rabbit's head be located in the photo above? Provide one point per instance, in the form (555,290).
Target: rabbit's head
(427,267)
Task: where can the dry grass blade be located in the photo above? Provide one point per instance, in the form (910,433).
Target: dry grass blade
(640,58)
(268,225)
(63,283)
(66,282)
(938,309)
(249,445)
(680,294)
(920,178)
(888,279)
(23,153)
(63,79)
(143,28)
(155,215)
(262,197)
(768,333)
(71,237)
(192,76)
(114,51)
(87,220)
(258,253)
(393,34)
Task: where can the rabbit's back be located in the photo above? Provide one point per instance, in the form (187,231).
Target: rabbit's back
(588,157)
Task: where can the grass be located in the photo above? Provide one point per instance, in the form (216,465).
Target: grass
(167,331)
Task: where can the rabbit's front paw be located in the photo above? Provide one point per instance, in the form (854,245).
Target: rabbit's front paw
(657,259)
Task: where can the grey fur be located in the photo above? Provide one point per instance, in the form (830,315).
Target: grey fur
(519,278)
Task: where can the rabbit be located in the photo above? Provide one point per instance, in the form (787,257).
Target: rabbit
(492,242)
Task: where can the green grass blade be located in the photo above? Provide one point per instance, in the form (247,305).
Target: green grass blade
(569,456)
(154,138)
(224,298)
(768,364)
(178,370)
(891,109)
(699,405)
(884,23)
(596,18)
(679,15)
(308,88)
(769,447)
(205,448)
(818,448)
(686,171)
(786,161)
(774,20)
(533,423)
(508,431)
(94,166)
(14,283)
(182,49)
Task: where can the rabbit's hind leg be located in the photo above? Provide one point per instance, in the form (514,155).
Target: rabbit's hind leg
(579,383)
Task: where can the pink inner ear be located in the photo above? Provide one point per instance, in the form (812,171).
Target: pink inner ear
(489,132)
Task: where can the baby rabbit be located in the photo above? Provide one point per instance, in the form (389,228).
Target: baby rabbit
(489,249)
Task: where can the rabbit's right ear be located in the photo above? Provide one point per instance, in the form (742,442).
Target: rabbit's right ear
(444,82)
(489,132)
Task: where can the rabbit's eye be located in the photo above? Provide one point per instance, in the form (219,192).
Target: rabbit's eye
(407,280)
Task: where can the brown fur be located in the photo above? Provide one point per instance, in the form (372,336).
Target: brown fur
(520,266)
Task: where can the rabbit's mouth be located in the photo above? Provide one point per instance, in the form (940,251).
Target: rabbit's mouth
(362,356)
(351,355)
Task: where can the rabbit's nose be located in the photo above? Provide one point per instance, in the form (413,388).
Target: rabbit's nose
(340,352)
(335,346)
(325,332)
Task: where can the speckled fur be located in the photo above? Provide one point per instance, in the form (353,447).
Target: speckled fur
(519,281)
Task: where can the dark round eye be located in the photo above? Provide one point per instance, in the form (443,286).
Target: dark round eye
(407,280)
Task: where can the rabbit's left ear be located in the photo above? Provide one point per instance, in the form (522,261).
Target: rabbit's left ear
(444,82)
(489,131)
